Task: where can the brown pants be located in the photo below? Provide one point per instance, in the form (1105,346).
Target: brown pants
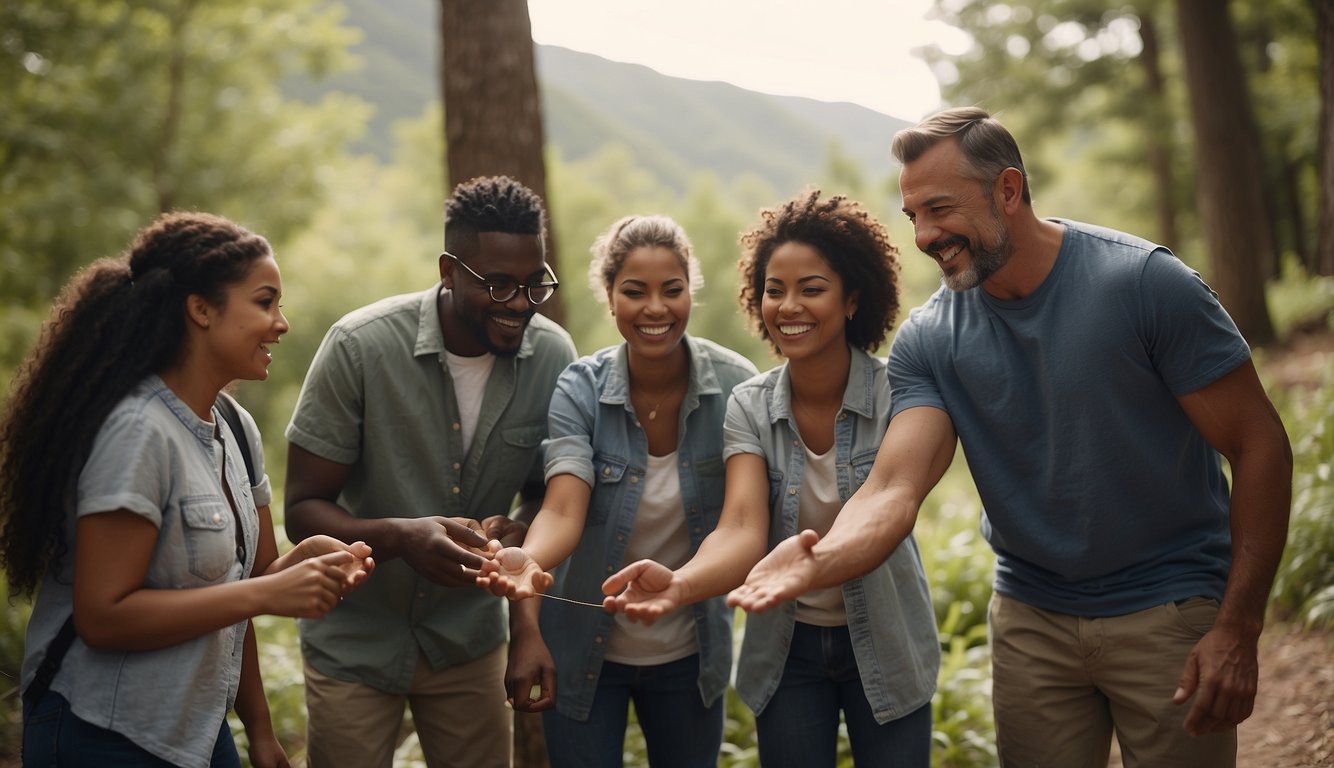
(459,712)
(1062,683)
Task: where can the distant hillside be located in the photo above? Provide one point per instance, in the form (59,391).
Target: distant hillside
(671,126)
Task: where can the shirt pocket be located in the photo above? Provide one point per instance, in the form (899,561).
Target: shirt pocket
(519,446)
(861,467)
(711,475)
(208,528)
(609,488)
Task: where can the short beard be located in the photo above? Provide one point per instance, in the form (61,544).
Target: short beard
(983,260)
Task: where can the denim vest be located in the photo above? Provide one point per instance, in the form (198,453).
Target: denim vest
(595,436)
(890,619)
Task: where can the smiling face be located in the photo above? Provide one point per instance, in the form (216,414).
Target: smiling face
(474,324)
(249,322)
(955,219)
(650,299)
(805,306)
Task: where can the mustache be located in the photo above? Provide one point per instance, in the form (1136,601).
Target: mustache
(942,245)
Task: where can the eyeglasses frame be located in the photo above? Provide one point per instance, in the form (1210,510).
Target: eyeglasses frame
(527,288)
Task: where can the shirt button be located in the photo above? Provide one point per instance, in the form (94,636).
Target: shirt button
(620,537)
(795,443)
(589,676)
(606,471)
(792,491)
(634,479)
(842,416)
(456,466)
(456,426)
(598,639)
(685,464)
(217,518)
(609,569)
(455,489)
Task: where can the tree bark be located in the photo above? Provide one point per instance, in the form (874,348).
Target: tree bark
(1229,171)
(493,112)
(1324,258)
(1159,134)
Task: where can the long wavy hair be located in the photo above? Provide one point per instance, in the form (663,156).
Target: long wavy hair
(115,322)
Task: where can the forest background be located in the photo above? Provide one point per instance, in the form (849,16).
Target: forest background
(319,124)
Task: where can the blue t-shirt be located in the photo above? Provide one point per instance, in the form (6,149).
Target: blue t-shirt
(1099,495)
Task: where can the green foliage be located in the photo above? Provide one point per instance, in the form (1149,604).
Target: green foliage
(1303,590)
(115,111)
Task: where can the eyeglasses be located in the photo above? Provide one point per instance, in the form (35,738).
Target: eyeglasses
(503,289)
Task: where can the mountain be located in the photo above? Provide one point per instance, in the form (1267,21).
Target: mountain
(672,126)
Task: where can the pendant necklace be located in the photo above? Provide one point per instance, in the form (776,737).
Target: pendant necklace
(653,412)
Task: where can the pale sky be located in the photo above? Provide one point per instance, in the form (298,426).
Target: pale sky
(860,51)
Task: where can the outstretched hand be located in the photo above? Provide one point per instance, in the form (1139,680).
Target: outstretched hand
(1222,673)
(644,591)
(786,573)
(512,573)
(446,550)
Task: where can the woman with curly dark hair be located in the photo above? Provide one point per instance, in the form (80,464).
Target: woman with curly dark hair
(820,283)
(127,510)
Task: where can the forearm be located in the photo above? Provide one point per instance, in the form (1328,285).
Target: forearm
(722,562)
(309,517)
(552,536)
(252,706)
(1261,501)
(150,619)
(871,525)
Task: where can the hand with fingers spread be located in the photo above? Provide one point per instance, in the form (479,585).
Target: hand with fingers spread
(786,573)
(644,591)
(446,550)
(512,573)
(1221,672)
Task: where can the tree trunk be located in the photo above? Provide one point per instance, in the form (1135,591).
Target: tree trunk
(1159,134)
(1324,259)
(1229,172)
(493,113)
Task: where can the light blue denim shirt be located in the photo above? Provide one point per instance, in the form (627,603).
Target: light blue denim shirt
(156,458)
(595,436)
(890,619)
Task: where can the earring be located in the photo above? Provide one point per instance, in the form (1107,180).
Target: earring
(850,314)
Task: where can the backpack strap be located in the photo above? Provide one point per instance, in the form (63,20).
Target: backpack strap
(46,671)
(227,407)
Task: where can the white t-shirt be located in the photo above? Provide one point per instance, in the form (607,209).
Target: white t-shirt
(660,534)
(469,375)
(820,504)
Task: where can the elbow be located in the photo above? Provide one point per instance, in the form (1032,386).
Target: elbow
(295,524)
(96,633)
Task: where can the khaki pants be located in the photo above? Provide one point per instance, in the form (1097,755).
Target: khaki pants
(460,714)
(1062,683)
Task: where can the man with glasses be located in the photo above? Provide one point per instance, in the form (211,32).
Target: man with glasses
(420,421)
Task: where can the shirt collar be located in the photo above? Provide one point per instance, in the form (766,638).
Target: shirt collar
(430,339)
(858,395)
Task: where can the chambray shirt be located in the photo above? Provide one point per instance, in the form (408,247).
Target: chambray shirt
(379,398)
(154,457)
(596,436)
(890,620)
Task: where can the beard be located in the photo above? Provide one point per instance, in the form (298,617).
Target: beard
(984,259)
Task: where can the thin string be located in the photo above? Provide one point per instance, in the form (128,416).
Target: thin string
(576,602)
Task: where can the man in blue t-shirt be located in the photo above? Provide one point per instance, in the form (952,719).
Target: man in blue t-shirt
(1093,381)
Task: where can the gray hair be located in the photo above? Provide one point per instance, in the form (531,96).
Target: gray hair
(985,143)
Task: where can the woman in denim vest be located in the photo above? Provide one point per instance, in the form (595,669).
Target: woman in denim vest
(634,469)
(820,283)
(124,498)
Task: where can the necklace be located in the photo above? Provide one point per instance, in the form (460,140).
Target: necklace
(653,412)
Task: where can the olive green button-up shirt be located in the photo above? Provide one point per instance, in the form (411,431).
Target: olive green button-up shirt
(380,399)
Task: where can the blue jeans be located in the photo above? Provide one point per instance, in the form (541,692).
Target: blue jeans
(799,725)
(53,737)
(679,730)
